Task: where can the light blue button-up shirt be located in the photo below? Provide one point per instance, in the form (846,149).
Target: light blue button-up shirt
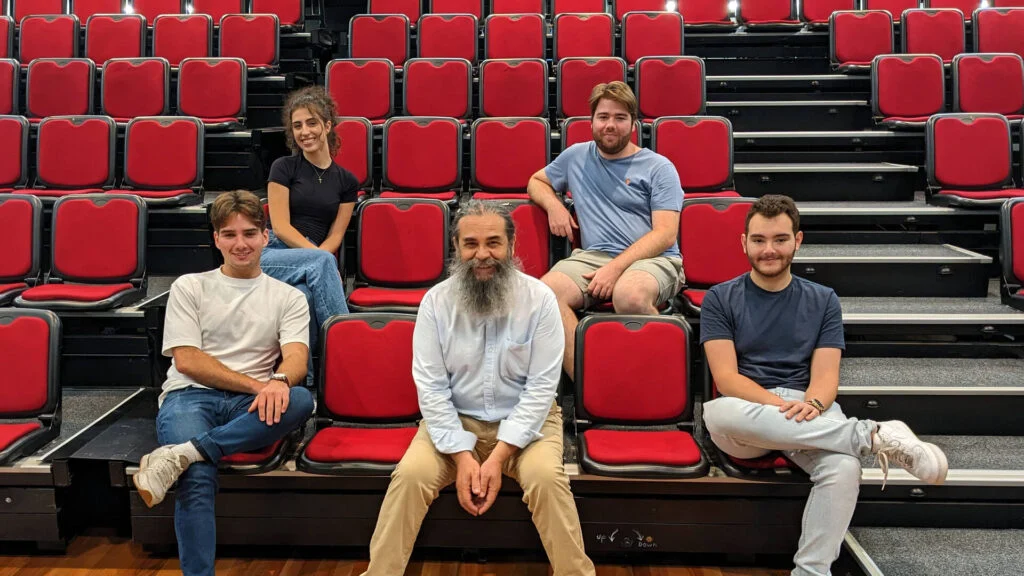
(503,368)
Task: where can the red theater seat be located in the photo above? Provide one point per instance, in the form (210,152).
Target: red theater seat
(217,9)
(968,159)
(422,154)
(709,241)
(621,7)
(10,80)
(133,87)
(115,36)
(56,87)
(366,397)
(669,86)
(966,7)
(632,381)
(517,6)
(30,345)
(998,30)
(402,247)
(180,36)
(22,8)
(85,9)
(507,151)
(893,7)
(51,36)
(21,243)
(577,78)
(373,36)
(6,37)
(700,148)
(510,88)
(99,254)
(583,36)
(14,161)
(448,36)
(75,155)
(817,12)
(514,36)
(857,36)
(438,87)
(290,13)
(363,88)
(213,90)
(906,89)
(164,160)
(356,155)
(706,15)
(992,83)
(1011,227)
(410,8)
(151,9)
(474,7)
(767,15)
(255,38)
(939,32)
(651,34)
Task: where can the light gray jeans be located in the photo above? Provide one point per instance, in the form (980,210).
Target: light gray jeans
(828,448)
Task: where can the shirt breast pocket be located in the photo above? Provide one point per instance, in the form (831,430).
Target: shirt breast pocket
(515,362)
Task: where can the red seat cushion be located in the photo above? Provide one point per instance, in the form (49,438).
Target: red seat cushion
(722,194)
(11,433)
(658,447)
(337,444)
(57,192)
(154,193)
(767,462)
(921,119)
(696,297)
(450,195)
(985,194)
(254,457)
(499,196)
(75,292)
(13,286)
(371,296)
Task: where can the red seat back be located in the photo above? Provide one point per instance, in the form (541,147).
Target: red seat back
(583,35)
(911,85)
(507,151)
(422,153)
(710,231)
(700,147)
(211,88)
(577,78)
(362,88)
(933,32)
(514,36)
(669,86)
(379,36)
(438,87)
(448,36)
(402,242)
(176,37)
(76,152)
(134,87)
(510,88)
(99,238)
(356,152)
(115,36)
(988,83)
(30,344)
(164,153)
(968,151)
(20,219)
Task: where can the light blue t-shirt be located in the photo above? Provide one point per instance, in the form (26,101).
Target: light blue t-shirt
(614,198)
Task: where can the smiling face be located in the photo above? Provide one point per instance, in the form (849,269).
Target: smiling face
(309,130)
(770,244)
(484,243)
(612,126)
(241,242)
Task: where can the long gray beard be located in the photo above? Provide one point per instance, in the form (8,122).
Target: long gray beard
(485,298)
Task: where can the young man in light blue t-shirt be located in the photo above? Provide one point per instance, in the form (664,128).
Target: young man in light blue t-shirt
(627,200)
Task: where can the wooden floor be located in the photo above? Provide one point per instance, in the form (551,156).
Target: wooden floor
(96,556)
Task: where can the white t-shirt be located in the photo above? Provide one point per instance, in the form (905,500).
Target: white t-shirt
(243,323)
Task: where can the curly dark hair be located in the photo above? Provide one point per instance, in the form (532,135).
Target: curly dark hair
(772,205)
(320,104)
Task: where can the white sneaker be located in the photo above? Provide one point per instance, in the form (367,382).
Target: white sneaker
(158,471)
(895,443)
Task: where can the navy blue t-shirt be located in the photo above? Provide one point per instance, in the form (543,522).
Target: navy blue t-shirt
(775,333)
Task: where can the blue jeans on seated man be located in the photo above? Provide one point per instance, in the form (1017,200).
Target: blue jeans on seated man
(219,424)
(315,273)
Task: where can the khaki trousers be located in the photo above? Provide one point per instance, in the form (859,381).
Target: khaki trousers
(424,471)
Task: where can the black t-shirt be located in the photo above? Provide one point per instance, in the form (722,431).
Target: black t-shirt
(313,204)
(775,333)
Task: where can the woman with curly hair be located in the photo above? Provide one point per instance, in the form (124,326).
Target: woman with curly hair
(311,201)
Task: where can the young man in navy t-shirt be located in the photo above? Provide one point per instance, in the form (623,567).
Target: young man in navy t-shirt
(773,342)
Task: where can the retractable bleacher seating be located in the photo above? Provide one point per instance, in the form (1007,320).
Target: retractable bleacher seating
(634,407)
(30,411)
(906,89)
(422,158)
(669,86)
(99,254)
(401,246)
(363,87)
(938,32)
(367,406)
(514,36)
(511,88)
(448,36)
(583,35)
(51,36)
(180,36)
(255,38)
(651,34)
(133,87)
(506,152)
(75,155)
(969,160)
(701,149)
(14,162)
(997,30)
(21,244)
(991,83)
(213,90)
(857,36)
(379,36)
(59,87)
(438,87)
(163,160)
(110,36)
(1011,226)
(577,78)
(709,241)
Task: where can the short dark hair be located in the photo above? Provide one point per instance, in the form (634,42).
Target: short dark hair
(772,205)
(478,208)
(236,202)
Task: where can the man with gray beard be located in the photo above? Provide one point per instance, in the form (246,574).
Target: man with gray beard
(487,356)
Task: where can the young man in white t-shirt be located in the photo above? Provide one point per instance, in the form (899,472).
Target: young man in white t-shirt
(240,342)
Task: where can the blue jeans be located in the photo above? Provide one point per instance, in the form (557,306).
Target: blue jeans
(219,424)
(315,273)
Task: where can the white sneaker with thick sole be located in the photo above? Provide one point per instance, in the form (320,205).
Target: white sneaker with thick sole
(158,471)
(897,444)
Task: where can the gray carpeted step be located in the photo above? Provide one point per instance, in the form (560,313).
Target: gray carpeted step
(977,373)
(936,308)
(974,452)
(943,552)
(81,407)
(888,253)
